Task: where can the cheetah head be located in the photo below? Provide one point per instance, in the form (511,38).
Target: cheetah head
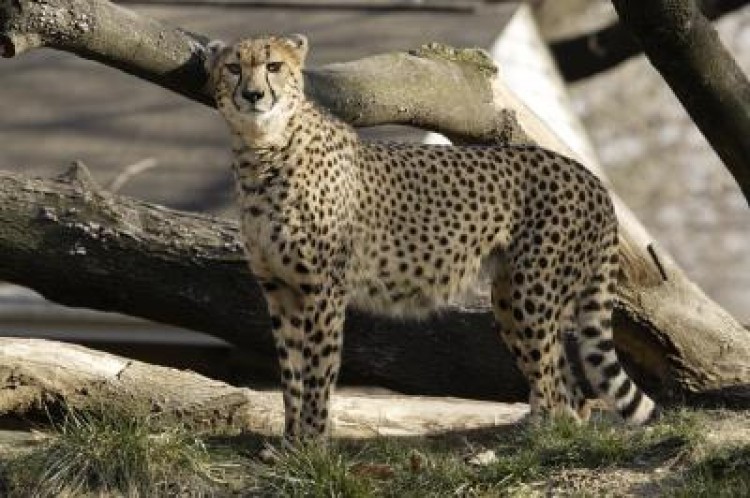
(257,84)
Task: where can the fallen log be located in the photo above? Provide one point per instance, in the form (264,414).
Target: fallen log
(38,375)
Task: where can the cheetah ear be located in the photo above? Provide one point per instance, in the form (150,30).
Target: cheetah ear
(211,53)
(299,43)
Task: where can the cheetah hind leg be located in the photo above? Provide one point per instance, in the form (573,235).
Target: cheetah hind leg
(538,352)
(599,358)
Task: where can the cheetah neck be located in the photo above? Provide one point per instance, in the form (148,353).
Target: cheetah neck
(309,127)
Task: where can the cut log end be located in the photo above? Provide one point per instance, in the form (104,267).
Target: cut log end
(7,49)
(13,44)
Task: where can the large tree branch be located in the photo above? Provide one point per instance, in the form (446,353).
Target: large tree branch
(110,34)
(187,270)
(590,53)
(172,58)
(683,46)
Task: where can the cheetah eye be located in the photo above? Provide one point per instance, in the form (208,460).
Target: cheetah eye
(234,68)
(273,67)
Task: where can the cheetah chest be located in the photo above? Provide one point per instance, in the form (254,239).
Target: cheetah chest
(291,231)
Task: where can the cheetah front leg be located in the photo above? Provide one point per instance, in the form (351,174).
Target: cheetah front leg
(307,326)
(322,350)
(284,309)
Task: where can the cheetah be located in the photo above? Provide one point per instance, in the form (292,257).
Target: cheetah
(330,221)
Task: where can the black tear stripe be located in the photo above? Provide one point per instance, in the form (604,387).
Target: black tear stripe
(270,88)
(236,87)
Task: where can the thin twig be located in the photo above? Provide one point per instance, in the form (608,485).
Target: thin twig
(652,253)
(129,172)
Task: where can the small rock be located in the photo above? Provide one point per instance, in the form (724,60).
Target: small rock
(268,455)
(482,458)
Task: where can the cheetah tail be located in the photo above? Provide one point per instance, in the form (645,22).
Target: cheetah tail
(600,362)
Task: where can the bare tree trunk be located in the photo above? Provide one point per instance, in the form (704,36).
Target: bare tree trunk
(187,270)
(588,54)
(683,46)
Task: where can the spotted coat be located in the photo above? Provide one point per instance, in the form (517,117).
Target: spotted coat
(330,221)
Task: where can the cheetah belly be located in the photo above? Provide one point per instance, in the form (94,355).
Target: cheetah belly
(405,295)
(402,299)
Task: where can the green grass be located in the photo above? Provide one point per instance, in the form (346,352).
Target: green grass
(602,442)
(115,454)
(311,470)
(724,472)
(435,466)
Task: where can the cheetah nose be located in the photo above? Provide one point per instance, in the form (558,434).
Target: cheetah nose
(252,96)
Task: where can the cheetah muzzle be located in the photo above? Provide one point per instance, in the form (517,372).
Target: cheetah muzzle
(330,221)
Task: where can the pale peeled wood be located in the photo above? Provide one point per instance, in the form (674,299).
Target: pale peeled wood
(34,371)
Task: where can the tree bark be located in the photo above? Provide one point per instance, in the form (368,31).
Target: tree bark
(360,92)
(588,54)
(683,46)
(84,247)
